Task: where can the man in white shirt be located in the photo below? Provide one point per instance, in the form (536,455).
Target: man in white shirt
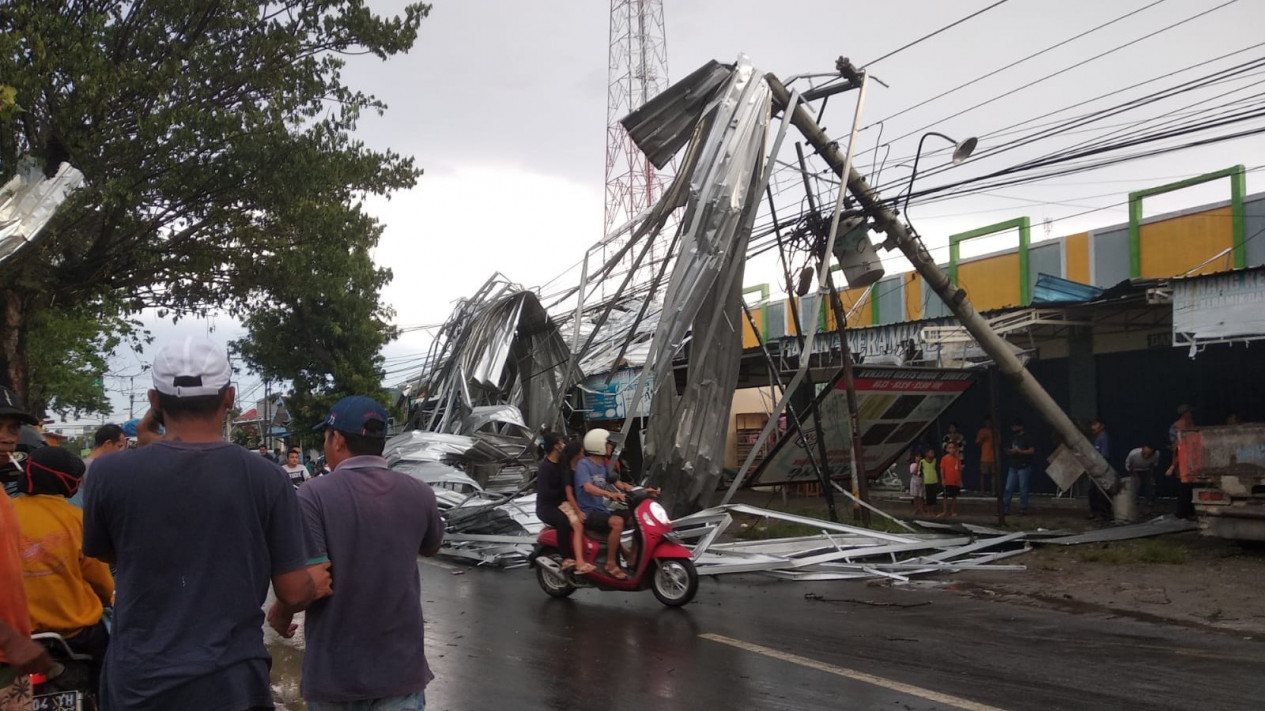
(297,472)
(1141,463)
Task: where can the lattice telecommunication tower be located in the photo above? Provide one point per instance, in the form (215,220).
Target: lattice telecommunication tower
(638,71)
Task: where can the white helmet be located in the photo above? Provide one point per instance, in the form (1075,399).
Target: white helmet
(595,441)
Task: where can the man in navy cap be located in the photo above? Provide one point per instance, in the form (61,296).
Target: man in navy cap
(364,642)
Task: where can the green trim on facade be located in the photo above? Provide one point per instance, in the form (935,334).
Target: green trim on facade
(763,290)
(1023,224)
(1238,192)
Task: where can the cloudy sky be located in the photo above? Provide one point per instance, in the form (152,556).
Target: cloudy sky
(503,103)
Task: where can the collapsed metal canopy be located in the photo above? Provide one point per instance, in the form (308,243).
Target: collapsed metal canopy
(498,348)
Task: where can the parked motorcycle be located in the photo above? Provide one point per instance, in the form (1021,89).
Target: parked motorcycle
(71,685)
(662,564)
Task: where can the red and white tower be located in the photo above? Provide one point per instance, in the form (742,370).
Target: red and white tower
(638,71)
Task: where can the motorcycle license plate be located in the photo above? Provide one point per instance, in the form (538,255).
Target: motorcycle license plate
(59,701)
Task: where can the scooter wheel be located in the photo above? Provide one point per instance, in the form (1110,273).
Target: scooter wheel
(554,584)
(675,581)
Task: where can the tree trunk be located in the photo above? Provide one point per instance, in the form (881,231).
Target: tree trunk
(13,363)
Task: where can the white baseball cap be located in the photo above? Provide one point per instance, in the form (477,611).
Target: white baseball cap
(191,367)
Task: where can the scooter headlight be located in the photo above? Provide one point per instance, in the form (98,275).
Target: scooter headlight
(659,513)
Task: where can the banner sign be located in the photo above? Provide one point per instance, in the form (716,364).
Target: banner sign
(609,401)
(895,406)
(1219,307)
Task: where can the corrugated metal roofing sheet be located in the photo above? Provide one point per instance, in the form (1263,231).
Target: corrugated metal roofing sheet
(665,123)
(1056,290)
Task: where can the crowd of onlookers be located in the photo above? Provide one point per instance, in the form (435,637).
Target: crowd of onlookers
(185,534)
(936,472)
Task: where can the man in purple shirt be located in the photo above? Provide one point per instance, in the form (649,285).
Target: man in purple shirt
(364,641)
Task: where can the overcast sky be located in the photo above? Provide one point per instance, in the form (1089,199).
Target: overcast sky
(503,104)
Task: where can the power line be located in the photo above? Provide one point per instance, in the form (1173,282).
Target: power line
(1089,165)
(1191,126)
(933,34)
(1017,62)
(1069,68)
(1064,123)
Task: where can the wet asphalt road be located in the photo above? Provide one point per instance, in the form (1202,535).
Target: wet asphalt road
(496,641)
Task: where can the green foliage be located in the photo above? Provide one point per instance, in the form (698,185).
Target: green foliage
(8,102)
(68,353)
(244,437)
(215,138)
(322,334)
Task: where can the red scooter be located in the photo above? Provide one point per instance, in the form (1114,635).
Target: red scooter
(662,564)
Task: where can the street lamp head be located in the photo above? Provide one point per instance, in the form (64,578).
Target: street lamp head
(964,150)
(961,151)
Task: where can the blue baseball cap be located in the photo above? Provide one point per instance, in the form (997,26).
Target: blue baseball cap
(356,415)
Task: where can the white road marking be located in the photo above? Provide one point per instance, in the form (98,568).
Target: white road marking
(928,694)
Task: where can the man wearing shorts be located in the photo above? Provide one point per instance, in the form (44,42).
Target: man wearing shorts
(591,493)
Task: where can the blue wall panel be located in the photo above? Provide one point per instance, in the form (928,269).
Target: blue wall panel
(890,302)
(1110,255)
(1255,225)
(1044,259)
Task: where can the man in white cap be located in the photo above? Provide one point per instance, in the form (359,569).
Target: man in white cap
(198,527)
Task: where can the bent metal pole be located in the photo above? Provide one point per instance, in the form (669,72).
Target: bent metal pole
(1011,369)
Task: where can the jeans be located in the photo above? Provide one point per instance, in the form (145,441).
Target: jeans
(1019,477)
(412,702)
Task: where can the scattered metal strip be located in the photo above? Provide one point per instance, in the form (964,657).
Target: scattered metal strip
(1155,527)
(872,507)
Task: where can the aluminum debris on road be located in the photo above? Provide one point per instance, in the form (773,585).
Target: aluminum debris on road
(500,532)
(839,551)
(1158,526)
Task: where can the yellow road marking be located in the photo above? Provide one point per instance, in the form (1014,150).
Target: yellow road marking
(928,694)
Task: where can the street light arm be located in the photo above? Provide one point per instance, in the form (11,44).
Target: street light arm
(913,176)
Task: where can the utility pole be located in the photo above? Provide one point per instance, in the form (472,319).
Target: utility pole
(131,397)
(860,482)
(1008,365)
(265,422)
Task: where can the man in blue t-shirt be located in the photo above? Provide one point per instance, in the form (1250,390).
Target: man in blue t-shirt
(591,493)
(365,646)
(198,528)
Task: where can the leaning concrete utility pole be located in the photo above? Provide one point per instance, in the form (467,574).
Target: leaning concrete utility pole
(954,297)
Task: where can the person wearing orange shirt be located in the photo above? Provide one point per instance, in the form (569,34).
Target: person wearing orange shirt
(986,438)
(66,591)
(951,475)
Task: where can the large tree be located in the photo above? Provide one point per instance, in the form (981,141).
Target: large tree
(221,171)
(319,332)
